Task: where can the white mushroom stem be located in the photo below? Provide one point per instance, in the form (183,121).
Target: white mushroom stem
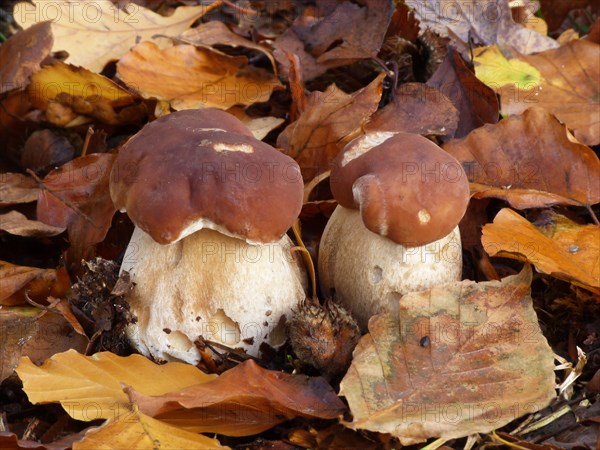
(211,285)
(371,273)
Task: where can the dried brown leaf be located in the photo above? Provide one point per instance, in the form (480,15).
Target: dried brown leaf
(243,401)
(17,188)
(529,161)
(458,359)
(419,109)
(76,196)
(22,54)
(37,284)
(18,224)
(329,121)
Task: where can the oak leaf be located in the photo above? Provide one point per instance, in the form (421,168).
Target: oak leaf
(529,161)
(457,359)
(243,401)
(191,78)
(559,247)
(564,81)
(94,33)
(89,387)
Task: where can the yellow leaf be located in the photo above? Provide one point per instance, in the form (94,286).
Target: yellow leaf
(89,387)
(134,430)
(94,33)
(58,78)
(494,69)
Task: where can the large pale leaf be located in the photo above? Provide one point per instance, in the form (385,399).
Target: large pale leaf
(136,431)
(243,401)
(564,81)
(488,22)
(458,359)
(529,161)
(97,32)
(559,247)
(89,387)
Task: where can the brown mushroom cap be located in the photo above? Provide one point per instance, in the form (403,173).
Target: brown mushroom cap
(184,172)
(407,188)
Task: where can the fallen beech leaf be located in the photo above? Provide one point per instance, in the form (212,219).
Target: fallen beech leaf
(89,387)
(243,401)
(76,196)
(529,161)
(32,332)
(563,81)
(417,108)
(563,249)
(36,283)
(135,430)
(487,23)
(17,188)
(457,359)
(19,225)
(329,120)
(190,77)
(45,150)
(59,78)
(22,54)
(217,33)
(349,33)
(260,126)
(476,102)
(98,32)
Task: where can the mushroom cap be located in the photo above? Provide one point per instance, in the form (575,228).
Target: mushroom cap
(181,173)
(407,188)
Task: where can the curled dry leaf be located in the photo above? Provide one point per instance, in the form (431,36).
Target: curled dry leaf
(350,32)
(76,196)
(36,283)
(135,430)
(458,359)
(529,161)
(22,54)
(243,401)
(419,109)
(564,81)
(98,32)
(487,23)
(560,248)
(10,441)
(78,381)
(190,77)
(330,120)
(217,33)
(17,188)
(18,224)
(476,102)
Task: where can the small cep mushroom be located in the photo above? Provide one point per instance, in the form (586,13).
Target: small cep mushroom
(209,254)
(395,229)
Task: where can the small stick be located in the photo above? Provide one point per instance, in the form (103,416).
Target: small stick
(88,137)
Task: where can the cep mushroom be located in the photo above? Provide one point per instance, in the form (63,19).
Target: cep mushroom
(395,229)
(209,255)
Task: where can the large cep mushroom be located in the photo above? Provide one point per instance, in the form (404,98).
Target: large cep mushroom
(209,254)
(395,229)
